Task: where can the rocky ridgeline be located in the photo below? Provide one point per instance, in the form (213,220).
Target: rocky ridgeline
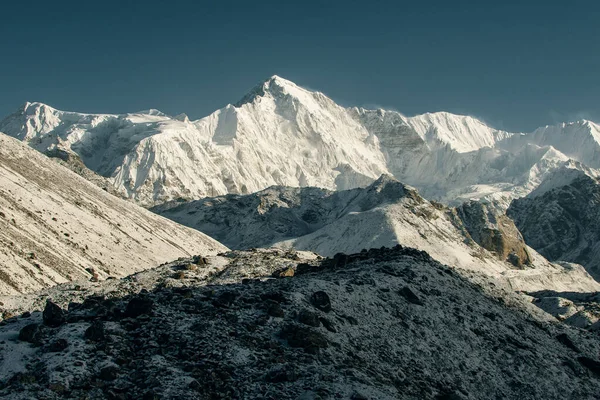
(381,324)
(494,231)
(562,223)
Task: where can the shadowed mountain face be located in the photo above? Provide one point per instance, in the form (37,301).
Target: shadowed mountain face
(563,223)
(382,324)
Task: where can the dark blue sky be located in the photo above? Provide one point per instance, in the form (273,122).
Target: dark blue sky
(515,64)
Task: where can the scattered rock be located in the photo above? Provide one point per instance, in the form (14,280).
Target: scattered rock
(328,324)
(309,318)
(283,273)
(590,364)
(30,333)
(358,396)
(564,339)
(275,310)
(284,373)
(53,315)
(410,296)
(138,306)
(58,345)
(191,267)
(95,332)
(301,336)
(109,373)
(321,301)
(179,275)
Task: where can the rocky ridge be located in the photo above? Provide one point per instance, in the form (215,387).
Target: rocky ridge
(562,222)
(381,324)
(385,213)
(56,226)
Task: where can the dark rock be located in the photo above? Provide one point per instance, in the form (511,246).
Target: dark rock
(150,395)
(277,297)
(410,296)
(565,340)
(58,346)
(138,306)
(321,301)
(30,333)
(301,336)
(26,314)
(226,299)
(309,318)
(328,324)
(358,396)
(109,373)
(281,374)
(275,310)
(95,332)
(53,315)
(590,364)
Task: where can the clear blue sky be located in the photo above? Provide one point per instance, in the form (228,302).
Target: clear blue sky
(515,64)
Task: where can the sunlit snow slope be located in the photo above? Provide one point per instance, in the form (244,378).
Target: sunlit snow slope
(55,227)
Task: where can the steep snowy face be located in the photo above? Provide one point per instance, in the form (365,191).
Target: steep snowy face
(577,140)
(460,132)
(385,213)
(280,134)
(562,222)
(56,227)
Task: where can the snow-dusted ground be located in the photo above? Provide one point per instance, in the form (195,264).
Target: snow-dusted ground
(56,226)
(282,134)
(384,324)
(385,213)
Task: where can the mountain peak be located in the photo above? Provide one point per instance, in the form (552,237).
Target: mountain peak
(276,86)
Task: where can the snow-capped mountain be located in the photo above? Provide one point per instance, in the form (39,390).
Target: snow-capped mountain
(385,213)
(55,227)
(282,134)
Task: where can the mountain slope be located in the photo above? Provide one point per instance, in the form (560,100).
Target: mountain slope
(55,226)
(383,324)
(562,222)
(385,213)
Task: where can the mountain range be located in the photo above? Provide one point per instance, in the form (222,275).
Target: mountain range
(281,134)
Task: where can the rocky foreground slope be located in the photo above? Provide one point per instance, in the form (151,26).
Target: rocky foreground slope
(562,222)
(385,213)
(382,324)
(56,226)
